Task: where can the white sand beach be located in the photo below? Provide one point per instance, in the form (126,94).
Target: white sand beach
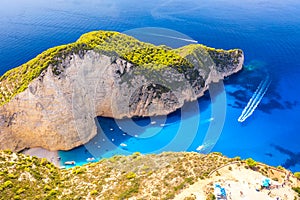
(51,156)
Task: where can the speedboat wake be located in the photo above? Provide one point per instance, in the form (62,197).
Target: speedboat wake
(255,99)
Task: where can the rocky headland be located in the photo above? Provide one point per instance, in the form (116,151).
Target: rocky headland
(52,101)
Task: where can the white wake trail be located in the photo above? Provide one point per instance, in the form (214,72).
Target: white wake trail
(255,99)
(172,37)
(249,104)
(257,102)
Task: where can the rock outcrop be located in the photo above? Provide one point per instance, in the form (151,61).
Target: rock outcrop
(58,109)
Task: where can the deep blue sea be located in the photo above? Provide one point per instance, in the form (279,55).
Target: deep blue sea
(267,31)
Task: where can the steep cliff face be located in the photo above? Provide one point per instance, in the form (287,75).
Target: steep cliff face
(58,109)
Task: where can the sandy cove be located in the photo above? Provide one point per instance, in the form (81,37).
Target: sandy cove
(51,156)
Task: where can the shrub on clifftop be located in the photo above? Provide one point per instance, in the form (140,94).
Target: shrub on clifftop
(297,175)
(251,163)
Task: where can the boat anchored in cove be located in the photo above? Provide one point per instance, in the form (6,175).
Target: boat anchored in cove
(70,162)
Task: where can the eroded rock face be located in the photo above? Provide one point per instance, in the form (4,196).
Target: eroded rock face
(58,110)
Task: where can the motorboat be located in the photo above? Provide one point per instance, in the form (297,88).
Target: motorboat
(90,159)
(123,145)
(70,162)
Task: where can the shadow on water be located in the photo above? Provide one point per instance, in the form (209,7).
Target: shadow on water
(112,130)
(112,135)
(109,137)
(245,84)
(292,161)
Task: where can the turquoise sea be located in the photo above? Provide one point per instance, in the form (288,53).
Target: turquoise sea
(267,31)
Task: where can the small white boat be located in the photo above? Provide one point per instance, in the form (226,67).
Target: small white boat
(123,145)
(90,159)
(207,120)
(201,147)
(70,162)
(62,167)
(168,124)
(154,122)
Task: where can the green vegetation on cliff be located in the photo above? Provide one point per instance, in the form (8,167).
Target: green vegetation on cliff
(160,176)
(199,53)
(156,176)
(251,163)
(110,43)
(22,177)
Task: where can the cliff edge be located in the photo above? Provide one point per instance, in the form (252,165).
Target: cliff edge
(52,101)
(162,176)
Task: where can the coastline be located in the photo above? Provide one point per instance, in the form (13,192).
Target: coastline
(51,156)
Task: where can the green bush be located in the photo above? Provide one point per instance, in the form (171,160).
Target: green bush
(297,189)
(128,193)
(155,194)
(217,153)
(297,175)
(94,192)
(210,196)
(179,187)
(190,198)
(53,193)
(78,170)
(280,167)
(251,163)
(44,161)
(12,176)
(169,196)
(20,191)
(7,151)
(36,174)
(47,188)
(237,158)
(136,154)
(130,175)
(7,184)
(17,197)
